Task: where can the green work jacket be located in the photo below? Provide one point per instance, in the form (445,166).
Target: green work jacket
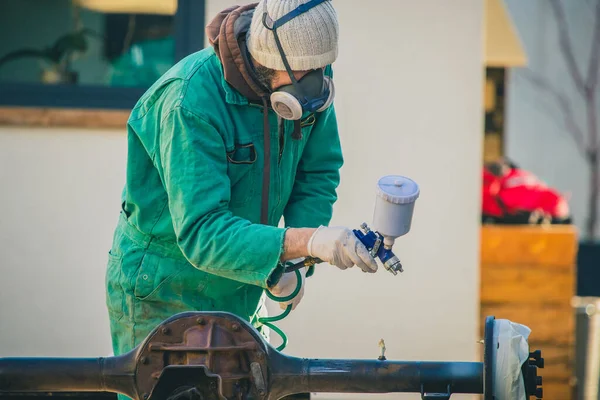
(192,199)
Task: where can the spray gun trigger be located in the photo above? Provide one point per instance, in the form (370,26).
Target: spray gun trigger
(375,248)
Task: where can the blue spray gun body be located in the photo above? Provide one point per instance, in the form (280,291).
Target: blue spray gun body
(374,242)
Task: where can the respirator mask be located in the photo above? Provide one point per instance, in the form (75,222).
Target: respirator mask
(314,92)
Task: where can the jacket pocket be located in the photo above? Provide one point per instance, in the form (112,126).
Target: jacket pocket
(115,295)
(154,272)
(170,281)
(242,169)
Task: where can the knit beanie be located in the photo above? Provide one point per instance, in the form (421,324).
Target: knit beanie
(310,41)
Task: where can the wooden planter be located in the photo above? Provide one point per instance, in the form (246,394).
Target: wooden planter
(528,276)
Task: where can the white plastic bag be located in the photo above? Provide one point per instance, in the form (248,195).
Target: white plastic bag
(511,350)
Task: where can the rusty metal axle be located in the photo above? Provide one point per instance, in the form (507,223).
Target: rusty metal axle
(226,358)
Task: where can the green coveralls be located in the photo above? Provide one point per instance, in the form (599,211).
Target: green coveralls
(188,237)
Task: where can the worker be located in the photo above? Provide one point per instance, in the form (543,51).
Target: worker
(228,142)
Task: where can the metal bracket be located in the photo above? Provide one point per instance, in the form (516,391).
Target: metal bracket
(259,379)
(435,396)
(533,382)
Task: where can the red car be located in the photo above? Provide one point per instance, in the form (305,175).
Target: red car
(514,196)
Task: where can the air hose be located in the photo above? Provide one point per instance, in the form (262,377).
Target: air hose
(268,321)
(308,262)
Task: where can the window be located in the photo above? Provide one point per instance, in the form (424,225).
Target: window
(92,53)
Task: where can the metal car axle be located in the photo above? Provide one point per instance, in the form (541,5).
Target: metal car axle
(218,356)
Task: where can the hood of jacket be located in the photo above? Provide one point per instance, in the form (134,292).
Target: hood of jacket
(227,34)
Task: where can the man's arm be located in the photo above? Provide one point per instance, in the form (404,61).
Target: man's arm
(296,243)
(318,176)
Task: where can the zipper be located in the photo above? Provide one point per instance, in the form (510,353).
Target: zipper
(281,139)
(281,142)
(281,129)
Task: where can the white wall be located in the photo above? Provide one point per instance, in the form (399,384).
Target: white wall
(535,135)
(59,197)
(409,81)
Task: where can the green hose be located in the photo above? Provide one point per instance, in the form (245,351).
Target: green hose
(291,296)
(268,321)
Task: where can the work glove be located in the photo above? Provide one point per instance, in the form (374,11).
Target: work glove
(339,246)
(286,286)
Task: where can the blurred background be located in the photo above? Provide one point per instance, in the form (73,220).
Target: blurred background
(490,105)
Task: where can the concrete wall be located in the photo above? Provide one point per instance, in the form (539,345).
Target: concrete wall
(409,81)
(536,137)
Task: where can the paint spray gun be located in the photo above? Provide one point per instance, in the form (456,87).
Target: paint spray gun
(392,217)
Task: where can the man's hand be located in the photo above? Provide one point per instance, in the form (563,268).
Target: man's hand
(286,286)
(339,246)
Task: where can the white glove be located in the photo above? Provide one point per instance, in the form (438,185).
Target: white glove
(286,286)
(339,246)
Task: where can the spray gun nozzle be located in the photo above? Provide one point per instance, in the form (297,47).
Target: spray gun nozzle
(393,265)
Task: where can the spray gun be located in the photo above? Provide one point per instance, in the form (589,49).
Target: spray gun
(392,218)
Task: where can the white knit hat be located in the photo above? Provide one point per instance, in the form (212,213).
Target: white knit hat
(310,40)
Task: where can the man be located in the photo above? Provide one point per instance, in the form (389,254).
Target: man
(212,168)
